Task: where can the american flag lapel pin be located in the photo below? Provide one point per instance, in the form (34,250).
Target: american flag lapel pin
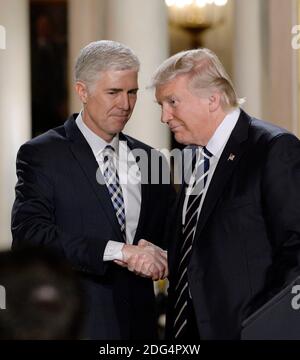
(231,157)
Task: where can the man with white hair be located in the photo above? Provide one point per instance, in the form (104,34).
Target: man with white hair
(83,192)
(235,236)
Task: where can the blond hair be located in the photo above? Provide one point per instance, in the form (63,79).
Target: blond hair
(207,74)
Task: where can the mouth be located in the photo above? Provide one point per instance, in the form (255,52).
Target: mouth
(122,117)
(175,127)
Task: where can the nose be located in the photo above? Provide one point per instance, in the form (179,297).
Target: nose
(124,102)
(166,115)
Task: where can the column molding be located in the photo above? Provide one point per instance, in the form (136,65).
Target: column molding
(15,100)
(248,61)
(86,23)
(131,22)
(283,65)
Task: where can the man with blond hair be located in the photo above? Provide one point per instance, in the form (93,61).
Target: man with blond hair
(235,236)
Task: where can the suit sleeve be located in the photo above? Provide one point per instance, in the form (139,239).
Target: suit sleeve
(33,215)
(169,197)
(281,206)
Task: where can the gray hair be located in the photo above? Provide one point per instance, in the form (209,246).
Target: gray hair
(103,55)
(207,74)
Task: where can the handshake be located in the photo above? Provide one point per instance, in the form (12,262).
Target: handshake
(145,259)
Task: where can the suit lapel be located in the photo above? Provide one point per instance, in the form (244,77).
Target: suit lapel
(178,208)
(175,238)
(85,157)
(142,217)
(236,146)
(145,188)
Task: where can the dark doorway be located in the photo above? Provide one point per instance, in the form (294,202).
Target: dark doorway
(48,30)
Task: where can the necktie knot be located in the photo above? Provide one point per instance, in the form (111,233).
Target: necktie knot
(200,156)
(207,153)
(108,153)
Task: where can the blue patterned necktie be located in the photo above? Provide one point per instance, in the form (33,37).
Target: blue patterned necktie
(182,293)
(112,181)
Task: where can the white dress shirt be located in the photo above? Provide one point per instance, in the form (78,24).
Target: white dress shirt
(215,146)
(130,182)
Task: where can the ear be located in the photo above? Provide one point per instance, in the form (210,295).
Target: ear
(81,90)
(214,101)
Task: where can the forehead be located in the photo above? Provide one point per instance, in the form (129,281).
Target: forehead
(176,86)
(117,79)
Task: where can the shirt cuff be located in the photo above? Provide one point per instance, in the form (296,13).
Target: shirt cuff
(113,251)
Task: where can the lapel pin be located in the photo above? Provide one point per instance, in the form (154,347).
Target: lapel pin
(231,157)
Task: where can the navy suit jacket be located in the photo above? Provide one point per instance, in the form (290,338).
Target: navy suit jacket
(60,205)
(247,241)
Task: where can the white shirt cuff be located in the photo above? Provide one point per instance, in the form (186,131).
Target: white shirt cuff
(113,251)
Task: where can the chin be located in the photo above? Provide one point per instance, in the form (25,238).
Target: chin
(119,126)
(181,139)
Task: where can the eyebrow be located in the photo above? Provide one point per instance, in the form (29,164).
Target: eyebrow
(120,89)
(168,96)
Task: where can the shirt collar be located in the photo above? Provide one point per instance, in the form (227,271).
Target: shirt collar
(96,143)
(220,137)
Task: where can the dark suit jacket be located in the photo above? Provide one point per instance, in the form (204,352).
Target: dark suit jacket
(60,205)
(247,241)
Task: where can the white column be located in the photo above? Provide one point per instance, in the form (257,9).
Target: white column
(142,25)
(248,54)
(283,101)
(15,116)
(86,24)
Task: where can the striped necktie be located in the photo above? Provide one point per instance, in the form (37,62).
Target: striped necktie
(112,181)
(182,293)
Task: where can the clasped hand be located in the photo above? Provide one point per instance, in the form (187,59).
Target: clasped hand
(145,259)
